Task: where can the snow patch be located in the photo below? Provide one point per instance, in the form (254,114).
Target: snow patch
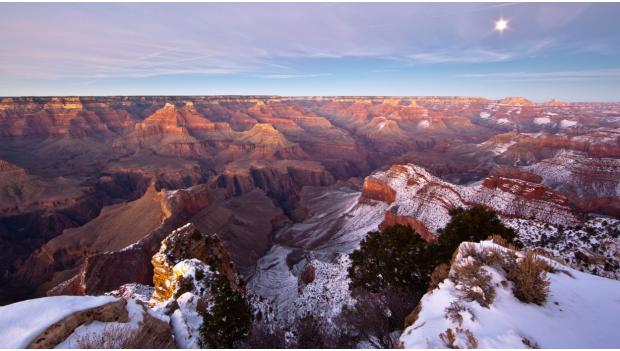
(424,124)
(503,121)
(23,321)
(542,120)
(565,123)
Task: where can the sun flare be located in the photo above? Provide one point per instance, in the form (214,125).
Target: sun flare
(501,25)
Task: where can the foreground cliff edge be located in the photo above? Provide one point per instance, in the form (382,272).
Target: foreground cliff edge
(578,310)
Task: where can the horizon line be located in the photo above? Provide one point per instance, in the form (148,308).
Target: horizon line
(307,96)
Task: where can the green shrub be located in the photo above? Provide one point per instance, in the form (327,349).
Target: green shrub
(474,224)
(228,319)
(396,258)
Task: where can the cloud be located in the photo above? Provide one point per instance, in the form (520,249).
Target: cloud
(291,76)
(595,74)
(472,56)
(283,42)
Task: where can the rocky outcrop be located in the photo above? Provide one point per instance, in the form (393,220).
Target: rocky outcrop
(281,180)
(515,173)
(374,189)
(188,243)
(419,227)
(423,201)
(59,331)
(106,271)
(308,274)
(516,101)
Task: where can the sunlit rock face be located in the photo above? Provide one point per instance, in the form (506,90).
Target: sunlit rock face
(174,260)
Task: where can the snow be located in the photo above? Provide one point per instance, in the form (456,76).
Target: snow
(381,125)
(574,172)
(23,321)
(542,120)
(134,291)
(424,124)
(503,121)
(497,148)
(581,312)
(325,297)
(186,322)
(136,314)
(485,115)
(597,240)
(337,224)
(428,198)
(566,123)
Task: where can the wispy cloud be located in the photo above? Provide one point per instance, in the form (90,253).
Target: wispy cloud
(292,76)
(610,73)
(472,56)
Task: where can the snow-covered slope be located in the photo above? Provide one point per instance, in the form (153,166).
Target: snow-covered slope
(23,321)
(593,247)
(338,222)
(581,311)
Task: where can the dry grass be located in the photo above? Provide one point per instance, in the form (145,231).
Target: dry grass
(453,313)
(529,275)
(115,336)
(499,240)
(472,342)
(474,282)
(529,343)
(112,337)
(449,338)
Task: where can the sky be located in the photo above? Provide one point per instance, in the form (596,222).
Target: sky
(569,51)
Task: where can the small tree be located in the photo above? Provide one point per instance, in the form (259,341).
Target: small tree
(474,224)
(397,258)
(228,319)
(263,336)
(309,334)
(374,318)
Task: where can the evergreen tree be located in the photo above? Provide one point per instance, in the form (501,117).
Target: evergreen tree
(474,224)
(228,318)
(396,258)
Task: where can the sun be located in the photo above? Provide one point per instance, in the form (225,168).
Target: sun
(501,25)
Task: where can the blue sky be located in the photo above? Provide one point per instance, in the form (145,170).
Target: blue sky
(567,51)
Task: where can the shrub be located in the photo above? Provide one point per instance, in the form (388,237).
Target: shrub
(228,319)
(263,336)
(529,275)
(309,334)
(453,313)
(396,258)
(449,338)
(375,317)
(473,282)
(472,342)
(474,224)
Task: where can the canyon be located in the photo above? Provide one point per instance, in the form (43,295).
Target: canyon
(91,188)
